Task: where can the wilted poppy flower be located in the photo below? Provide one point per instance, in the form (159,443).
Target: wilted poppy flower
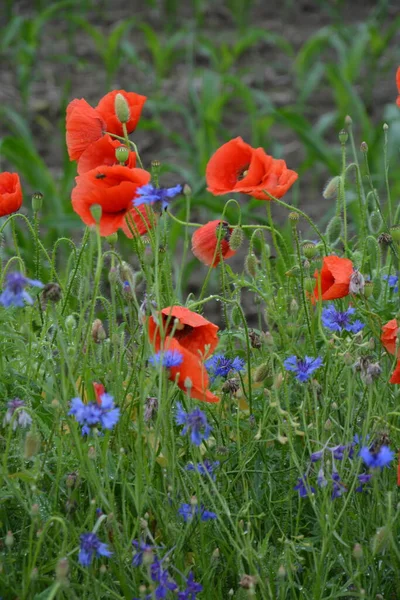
(102,152)
(10,193)
(190,375)
(237,167)
(113,188)
(106,108)
(335,278)
(395,378)
(84,125)
(389,335)
(193,332)
(398,86)
(205,242)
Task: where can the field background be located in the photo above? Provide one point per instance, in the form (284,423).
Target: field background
(282,77)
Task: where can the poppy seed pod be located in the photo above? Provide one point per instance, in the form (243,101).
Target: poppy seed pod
(395,233)
(211,242)
(122,154)
(37,201)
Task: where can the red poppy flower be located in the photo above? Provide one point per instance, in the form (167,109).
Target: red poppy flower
(191,376)
(237,167)
(389,335)
(114,189)
(99,390)
(398,86)
(102,152)
(335,278)
(395,378)
(193,332)
(84,125)
(205,241)
(106,108)
(10,193)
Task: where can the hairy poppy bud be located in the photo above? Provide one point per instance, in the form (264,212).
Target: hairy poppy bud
(70,323)
(122,154)
(37,201)
(236,238)
(343,136)
(262,372)
(334,230)
(31,445)
(98,331)
(395,232)
(250,264)
(357,283)
(121,108)
(331,188)
(309,284)
(375,221)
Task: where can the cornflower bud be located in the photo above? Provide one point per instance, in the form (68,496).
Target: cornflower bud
(231,386)
(121,108)
(364,147)
(248,581)
(37,201)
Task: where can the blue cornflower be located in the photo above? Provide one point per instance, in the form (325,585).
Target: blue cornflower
(23,418)
(92,414)
(340,321)
(168,359)
(338,488)
(316,456)
(364,478)
(14,293)
(393,281)
(374,460)
(141,549)
(338,451)
(162,577)
(220,366)
(195,422)
(192,588)
(302,488)
(188,511)
(148,194)
(90,544)
(207,467)
(303,368)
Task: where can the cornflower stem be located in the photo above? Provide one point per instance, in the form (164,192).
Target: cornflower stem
(343,198)
(303,294)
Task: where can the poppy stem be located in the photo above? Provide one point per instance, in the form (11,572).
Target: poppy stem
(182,222)
(303,214)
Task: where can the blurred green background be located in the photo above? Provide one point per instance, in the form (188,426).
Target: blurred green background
(282,75)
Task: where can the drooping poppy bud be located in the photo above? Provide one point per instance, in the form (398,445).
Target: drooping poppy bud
(211,241)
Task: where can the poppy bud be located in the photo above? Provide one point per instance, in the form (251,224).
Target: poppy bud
(126,273)
(9,540)
(377,287)
(98,331)
(236,238)
(375,221)
(96,212)
(262,372)
(70,323)
(112,239)
(251,264)
(357,283)
(122,154)
(364,147)
(343,136)
(395,232)
(121,108)
(309,250)
(331,188)
(334,230)
(294,307)
(348,120)
(37,201)
(309,284)
(31,446)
